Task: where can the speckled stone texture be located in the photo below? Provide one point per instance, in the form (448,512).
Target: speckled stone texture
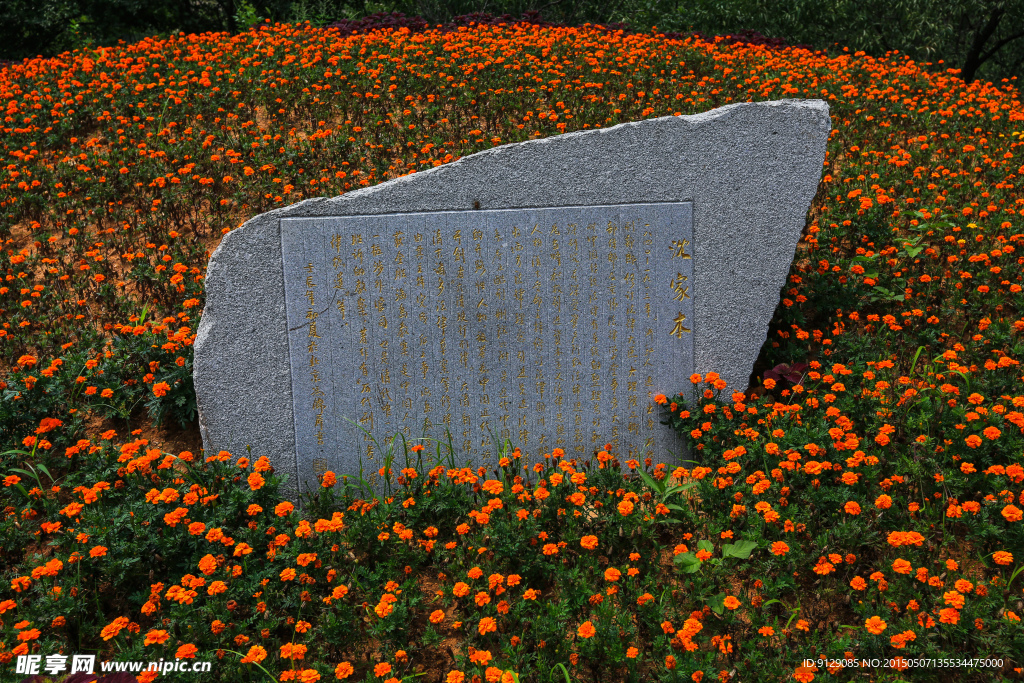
(750,171)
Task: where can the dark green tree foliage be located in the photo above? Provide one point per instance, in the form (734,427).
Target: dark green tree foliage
(982,38)
(45,27)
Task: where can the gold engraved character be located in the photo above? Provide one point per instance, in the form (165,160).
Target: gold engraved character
(679,249)
(678,330)
(677,286)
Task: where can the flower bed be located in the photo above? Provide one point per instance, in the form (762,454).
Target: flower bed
(863,499)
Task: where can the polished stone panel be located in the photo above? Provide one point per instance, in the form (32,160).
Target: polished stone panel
(546,327)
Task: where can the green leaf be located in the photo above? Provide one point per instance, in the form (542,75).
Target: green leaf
(717,603)
(679,489)
(740,549)
(565,672)
(687,563)
(651,483)
(705,545)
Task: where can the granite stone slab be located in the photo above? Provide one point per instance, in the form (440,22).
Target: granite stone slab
(540,292)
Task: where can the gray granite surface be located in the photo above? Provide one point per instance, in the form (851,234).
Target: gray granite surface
(729,188)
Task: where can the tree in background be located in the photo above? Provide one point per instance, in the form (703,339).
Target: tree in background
(983,38)
(45,27)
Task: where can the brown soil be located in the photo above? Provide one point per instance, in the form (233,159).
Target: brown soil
(169,437)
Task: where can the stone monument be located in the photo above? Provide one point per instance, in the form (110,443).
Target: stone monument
(539,292)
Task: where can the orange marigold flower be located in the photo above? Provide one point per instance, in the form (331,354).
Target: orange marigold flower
(780,548)
(186,651)
(900,538)
(1002,557)
(487,625)
(901,566)
(344,670)
(852,508)
(437,616)
(875,625)
(1012,513)
(625,508)
(381,670)
(586,630)
(156,636)
(804,674)
(256,654)
(293,651)
(731,602)
(954,598)
(612,574)
(208,564)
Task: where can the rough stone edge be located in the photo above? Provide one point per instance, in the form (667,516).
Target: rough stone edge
(256,367)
